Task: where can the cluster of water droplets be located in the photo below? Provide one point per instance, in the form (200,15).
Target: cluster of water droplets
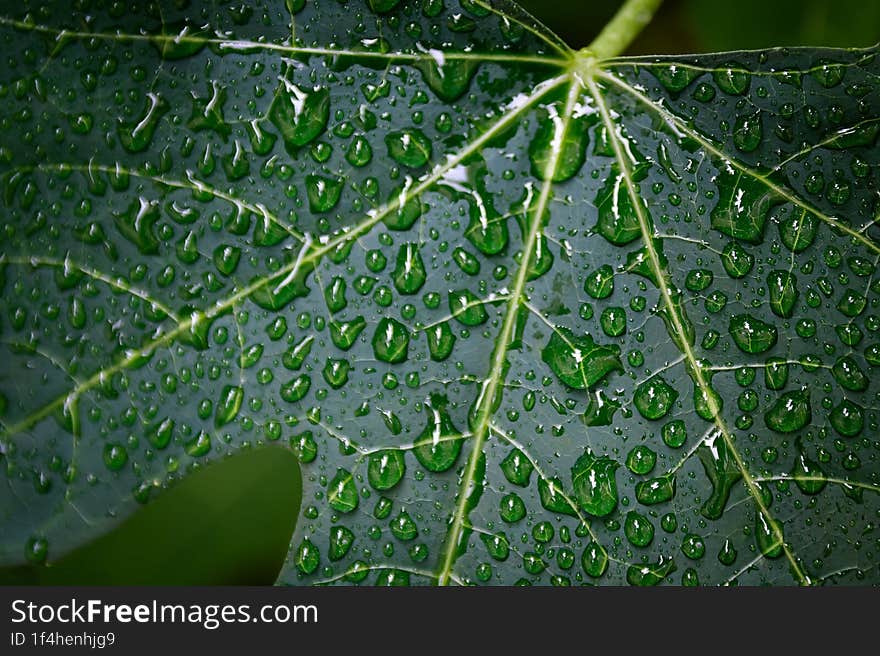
(256,225)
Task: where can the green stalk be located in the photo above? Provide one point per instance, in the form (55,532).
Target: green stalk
(629,20)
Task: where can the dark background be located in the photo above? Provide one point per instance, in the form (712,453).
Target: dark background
(685,26)
(231,522)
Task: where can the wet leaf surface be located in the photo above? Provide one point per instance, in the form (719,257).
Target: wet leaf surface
(522,315)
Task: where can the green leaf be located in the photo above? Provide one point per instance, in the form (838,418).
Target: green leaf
(757,24)
(201,531)
(461,272)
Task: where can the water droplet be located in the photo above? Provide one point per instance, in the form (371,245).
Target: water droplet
(654,398)
(674,433)
(159,434)
(550,145)
(36,549)
(304,446)
(409,273)
(466,262)
(441,341)
(403,527)
(600,283)
(594,560)
(650,573)
(448,77)
(300,116)
(229,404)
(517,468)
(641,460)
(334,295)
(359,152)
(675,78)
(827,73)
(723,473)
(391,341)
(618,221)
(790,412)
(115,456)
(656,490)
(782,286)
(698,280)
(296,389)
(737,261)
(439,444)
(613,321)
(343,334)
(342,494)
(748,132)
(512,508)
(847,418)
(798,231)
(226,259)
(775,373)
(467,308)
(307,557)
(752,335)
(137,135)
(852,303)
(386,469)
(579,362)
(594,484)
(808,476)
(335,372)
(849,375)
(733,79)
(600,410)
(765,535)
(693,546)
(409,148)
(638,529)
(552,496)
(341,540)
(323,192)
(727,554)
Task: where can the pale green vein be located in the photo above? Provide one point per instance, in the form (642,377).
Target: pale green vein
(535,28)
(614,62)
(571,503)
(782,192)
(49,357)
(660,274)
(841,132)
(136,355)
(244,45)
(464,308)
(116,283)
(574,348)
(308,254)
(754,561)
(192,183)
(382,568)
(489,389)
(710,432)
(818,479)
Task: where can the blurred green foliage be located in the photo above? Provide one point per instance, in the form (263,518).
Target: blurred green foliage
(228,523)
(683,26)
(761,24)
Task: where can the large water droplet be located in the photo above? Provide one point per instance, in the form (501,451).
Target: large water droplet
(654,398)
(580,362)
(594,484)
(752,335)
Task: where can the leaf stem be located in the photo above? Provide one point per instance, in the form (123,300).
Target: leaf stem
(626,25)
